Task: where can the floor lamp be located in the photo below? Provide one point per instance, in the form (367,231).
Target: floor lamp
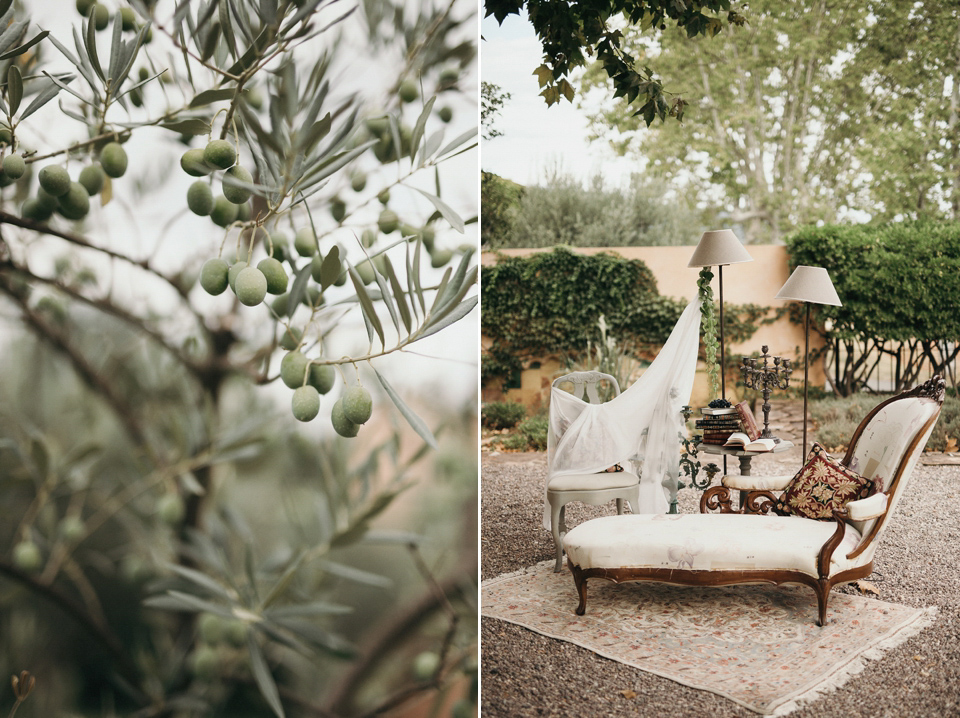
(810,285)
(717,248)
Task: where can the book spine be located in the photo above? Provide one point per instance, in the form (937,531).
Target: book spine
(750,427)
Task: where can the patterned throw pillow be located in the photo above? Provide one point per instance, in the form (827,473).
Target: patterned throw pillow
(822,485)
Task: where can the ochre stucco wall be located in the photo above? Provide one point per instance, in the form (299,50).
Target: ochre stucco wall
(755,282)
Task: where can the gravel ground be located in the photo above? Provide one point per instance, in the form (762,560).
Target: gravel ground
(526,674)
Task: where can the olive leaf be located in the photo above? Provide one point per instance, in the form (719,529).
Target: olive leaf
(415,421)
(263,677)
(444,209)
(14,88)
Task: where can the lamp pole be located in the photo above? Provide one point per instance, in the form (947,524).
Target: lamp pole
(806,373)
(810,285)
(723,378)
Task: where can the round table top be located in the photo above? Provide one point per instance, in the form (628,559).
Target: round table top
(784,445)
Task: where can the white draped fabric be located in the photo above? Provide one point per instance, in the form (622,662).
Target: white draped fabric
(643,423)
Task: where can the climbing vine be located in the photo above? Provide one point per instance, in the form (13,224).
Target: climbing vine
(709,328)
(549,305)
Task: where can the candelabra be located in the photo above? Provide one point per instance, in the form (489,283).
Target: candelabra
(766,378)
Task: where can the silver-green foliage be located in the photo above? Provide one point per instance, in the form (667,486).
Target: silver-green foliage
(266,76)
(564,211)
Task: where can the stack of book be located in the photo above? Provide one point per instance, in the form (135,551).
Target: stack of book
(718,424)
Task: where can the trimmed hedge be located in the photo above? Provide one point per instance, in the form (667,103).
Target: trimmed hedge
(899,283)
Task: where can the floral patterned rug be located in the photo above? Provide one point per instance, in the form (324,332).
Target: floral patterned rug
(757,645)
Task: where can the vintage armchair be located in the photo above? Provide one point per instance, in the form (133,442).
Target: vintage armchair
(747,545)
(595,488)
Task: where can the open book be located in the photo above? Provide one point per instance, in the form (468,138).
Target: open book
(741,440)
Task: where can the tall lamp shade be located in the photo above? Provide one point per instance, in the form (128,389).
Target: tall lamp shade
(810,285)
(717,248)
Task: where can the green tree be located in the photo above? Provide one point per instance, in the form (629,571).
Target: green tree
(492,100)
(900,111)
(570,33)
(299,178)
(810,111)
(499,199)
(756,137)
(564,212)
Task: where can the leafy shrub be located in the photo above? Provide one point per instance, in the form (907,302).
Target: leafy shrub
(514,442)
(530,435)
(550,302)
(836,418)
(502,414)
(898,283)
(534,430)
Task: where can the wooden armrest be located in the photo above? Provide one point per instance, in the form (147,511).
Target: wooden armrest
(756,483)
(872,507)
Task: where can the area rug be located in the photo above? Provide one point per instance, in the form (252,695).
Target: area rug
(757,645)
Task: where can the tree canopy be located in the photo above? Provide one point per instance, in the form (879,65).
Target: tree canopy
(564,212)
(573,32)
(809,113)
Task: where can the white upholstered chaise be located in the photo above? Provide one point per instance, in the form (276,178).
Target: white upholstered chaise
(746,546)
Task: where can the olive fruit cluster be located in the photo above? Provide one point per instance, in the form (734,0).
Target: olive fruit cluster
(250,284)
(101,16)
(71,198)
(351,410)
(219,641)
(229,206)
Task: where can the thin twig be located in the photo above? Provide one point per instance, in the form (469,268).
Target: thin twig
(42,228)
(101,633)
(85,371)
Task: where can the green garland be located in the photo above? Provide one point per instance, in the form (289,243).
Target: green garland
(709,328)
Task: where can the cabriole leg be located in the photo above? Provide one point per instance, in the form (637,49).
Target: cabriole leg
(581,583)
(823,594)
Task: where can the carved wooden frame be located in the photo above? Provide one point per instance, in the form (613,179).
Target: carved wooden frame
(760,503)
(821,584)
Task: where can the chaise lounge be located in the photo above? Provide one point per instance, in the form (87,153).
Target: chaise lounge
(762,541)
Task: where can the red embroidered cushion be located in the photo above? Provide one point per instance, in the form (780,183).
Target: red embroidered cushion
(822,485)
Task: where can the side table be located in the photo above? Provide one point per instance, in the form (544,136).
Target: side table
(745,456)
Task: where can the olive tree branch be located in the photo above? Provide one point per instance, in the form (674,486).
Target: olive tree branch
(101,633)
(81,241)
(107,307)
(85,371)
(183,48)
(79,145)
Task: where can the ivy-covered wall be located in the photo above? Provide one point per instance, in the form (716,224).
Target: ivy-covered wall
(547,305)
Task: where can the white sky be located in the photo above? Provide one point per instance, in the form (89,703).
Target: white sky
(537,138)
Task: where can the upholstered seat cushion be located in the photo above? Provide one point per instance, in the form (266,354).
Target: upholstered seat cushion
(593,482)
(707,542)
(756,483)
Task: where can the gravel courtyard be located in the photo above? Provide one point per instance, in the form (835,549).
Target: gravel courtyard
(526,674)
